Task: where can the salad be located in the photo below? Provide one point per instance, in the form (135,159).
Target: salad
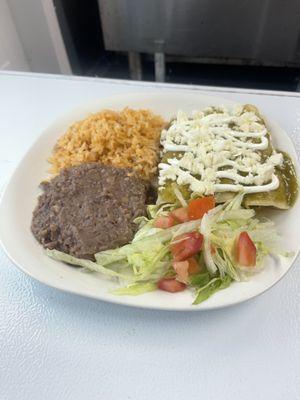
(200,246)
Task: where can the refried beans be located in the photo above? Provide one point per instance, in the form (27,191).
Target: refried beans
(89,208)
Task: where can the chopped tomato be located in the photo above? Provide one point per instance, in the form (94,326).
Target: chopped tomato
(182,270)
(181,214)
(164,222)
(246,250)
(198,207)
(170,285)
(186,268)
(194,266)
(186,245)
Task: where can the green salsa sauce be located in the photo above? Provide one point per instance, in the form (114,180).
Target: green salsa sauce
(283,197)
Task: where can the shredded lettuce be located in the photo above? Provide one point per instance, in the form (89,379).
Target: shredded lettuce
(200,280)
(80,262)
(221,227)
(155,210)
(213,286)
(135,289)
(145,248)
(179,196)
(145,259)
(165,235)
(206,228)
(146,228)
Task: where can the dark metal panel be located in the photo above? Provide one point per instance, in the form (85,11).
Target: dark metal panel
(261,30)
(80,25)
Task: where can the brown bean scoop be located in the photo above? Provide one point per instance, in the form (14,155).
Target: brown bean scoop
(89,208)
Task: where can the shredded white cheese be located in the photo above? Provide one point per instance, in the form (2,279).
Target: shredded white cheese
(218,144)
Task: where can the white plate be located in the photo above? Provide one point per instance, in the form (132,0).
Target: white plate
(20,197)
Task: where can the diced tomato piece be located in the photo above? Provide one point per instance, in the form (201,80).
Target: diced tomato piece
(198,207)
(186,268)
(181,214)
(170,285)
(182,270)
(194,266)
(164,222)
(186,245)
(246,250)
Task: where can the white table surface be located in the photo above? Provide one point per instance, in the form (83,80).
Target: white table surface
(55,345)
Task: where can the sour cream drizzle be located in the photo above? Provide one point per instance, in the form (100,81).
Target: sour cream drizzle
(215,139)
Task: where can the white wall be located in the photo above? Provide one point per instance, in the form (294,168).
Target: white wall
(40,35)
(30,37)
(12,56)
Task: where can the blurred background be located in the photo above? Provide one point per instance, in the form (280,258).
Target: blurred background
(238,43)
